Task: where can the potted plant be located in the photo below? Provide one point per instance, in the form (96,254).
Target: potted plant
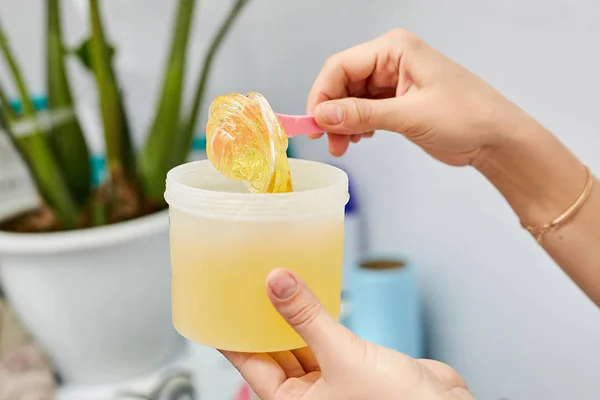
(88,269)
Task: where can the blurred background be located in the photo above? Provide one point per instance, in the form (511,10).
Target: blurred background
(495,307)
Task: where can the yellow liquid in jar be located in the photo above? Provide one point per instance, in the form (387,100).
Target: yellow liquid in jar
(219,270)
(245,141)
(219,264)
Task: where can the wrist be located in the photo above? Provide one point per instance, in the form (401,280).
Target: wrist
(538,176)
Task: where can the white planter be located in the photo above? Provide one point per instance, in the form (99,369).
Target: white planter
(98,300)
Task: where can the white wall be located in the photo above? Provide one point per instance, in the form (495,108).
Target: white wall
(499,310)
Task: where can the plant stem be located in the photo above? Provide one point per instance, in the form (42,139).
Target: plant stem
(185,133)
(98,215)
(129,159)
(108,94)
(9,113)
(27,104)
(84,54)
(8,116)
(123,194)
(7,119)
(66,138)
(155,159)
(38,153)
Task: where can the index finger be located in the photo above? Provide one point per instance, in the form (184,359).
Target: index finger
(379,60)
(352,65)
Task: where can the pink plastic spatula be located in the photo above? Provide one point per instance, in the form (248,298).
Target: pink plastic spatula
(298,125)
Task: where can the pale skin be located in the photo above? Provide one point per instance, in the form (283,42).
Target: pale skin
(400,84)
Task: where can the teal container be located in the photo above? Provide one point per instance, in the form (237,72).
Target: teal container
(39,102)
(384,304)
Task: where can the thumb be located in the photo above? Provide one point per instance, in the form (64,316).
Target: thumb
(302,310)
(354,115)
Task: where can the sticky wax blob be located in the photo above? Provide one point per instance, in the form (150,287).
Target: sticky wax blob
(246,142)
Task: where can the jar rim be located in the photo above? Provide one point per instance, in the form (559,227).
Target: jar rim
(188,186)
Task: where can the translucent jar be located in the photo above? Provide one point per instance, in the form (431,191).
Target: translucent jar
(225,241)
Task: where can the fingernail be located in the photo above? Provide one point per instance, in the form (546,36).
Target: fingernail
(333,114)
(283,285)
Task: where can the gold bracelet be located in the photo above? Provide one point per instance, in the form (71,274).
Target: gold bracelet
(538,231)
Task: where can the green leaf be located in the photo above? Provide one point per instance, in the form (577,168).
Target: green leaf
(37,151)
(7,119)
(83,53)
(67,139)
(185,134)
(9,113)
(155,158)
(119,152)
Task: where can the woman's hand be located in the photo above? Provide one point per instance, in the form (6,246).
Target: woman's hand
(398,83)
(337,364)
